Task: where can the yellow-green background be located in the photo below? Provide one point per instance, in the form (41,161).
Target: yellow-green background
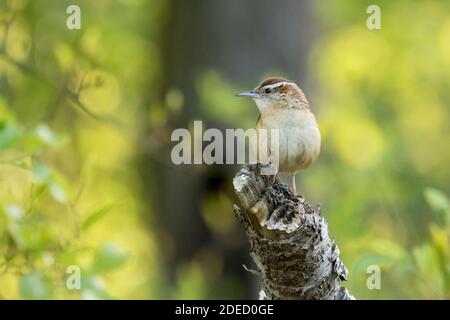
(89,184)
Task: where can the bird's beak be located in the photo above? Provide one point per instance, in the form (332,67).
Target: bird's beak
(250,94)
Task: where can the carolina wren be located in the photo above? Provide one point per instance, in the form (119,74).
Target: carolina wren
(283,106)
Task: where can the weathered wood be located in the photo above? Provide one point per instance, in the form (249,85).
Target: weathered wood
(290,245)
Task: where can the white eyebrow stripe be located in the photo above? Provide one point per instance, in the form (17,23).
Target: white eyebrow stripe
(275,85)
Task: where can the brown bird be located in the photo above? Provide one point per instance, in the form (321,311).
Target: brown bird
(283,106)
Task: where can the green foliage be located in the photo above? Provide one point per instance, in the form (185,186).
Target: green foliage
(383,111)
(438,201)
(8,135)
(34,286)
(31,238)
(51,97)
(95,216)
(93,288)
(425,266)
(108,258)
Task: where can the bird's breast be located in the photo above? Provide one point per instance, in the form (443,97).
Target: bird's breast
(299,137)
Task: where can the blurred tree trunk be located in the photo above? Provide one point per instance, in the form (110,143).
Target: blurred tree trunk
(242,40)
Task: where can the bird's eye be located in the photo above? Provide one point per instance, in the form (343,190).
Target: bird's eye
(268,90)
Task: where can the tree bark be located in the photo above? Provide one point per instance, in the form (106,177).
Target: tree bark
(290,245)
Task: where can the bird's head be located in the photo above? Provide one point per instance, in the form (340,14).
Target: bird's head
(276,92)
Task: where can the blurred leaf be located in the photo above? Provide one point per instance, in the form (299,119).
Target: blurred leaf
(427,259)
(18,42)
(9,135)
(429,264)
(46,134)
(52,181)
(95,216)
(14,211)
(108,258)
(373,259)
(436,199)
(34,286)
(35,234)
(57,192)
(387,254)
(440,237)
(93,289)
(41,173)
(38,191)
(390,249)
(64,55)
(41,136)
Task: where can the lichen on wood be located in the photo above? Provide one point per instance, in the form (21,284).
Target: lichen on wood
(290,245)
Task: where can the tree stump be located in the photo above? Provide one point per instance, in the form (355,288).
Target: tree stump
(290,245)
